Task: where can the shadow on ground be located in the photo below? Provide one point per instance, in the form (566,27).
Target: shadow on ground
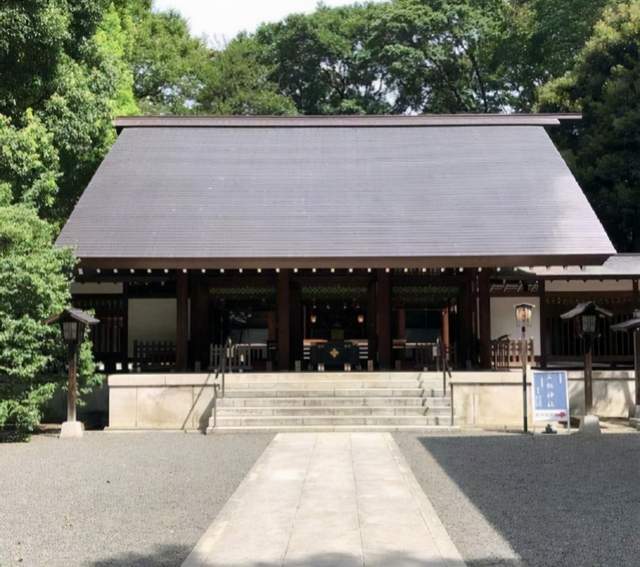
(557,500)
(389,559)
(162,556)
(173,556)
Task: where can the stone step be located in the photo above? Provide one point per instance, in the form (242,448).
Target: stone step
(330,384)
(329,411)
(332,401)
(338,392)
(432,429)
(329,375)
(331,420)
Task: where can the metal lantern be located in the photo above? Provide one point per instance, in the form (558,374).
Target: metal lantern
(72,323)
(524,314)
(72,331)
(585,317)
(632,326)
(360,318)
(588,323)
(313,318)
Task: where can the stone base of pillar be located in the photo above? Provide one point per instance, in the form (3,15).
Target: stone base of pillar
(590,425)
(72,430)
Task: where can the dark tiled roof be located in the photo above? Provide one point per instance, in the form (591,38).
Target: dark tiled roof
(432,192)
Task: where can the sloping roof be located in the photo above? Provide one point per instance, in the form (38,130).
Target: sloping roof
(617,266)
(225,191)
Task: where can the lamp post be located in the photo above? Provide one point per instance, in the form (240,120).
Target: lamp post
(72,323)
(633,326)
(585,317)
(524,313)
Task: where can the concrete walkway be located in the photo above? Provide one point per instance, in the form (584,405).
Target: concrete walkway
(327,499)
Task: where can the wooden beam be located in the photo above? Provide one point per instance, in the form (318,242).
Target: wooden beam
(383,296)
(484,305)
(355,262)
(283,294)
(182,321)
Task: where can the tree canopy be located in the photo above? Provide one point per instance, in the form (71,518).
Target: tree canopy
(603,149)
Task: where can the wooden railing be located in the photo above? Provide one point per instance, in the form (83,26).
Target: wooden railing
(243,357)
(506,353)
(420,355)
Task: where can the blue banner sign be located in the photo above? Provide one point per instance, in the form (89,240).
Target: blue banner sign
(550,396)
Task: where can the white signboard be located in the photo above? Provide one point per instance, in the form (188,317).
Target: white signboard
(550,395)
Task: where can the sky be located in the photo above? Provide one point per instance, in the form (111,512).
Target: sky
(221,20)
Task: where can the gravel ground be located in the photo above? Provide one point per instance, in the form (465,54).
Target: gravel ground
(90,502)
(535,501)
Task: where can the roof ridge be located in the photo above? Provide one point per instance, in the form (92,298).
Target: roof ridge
(360,120)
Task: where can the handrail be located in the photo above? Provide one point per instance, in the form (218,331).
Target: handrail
(221,370)
(444,357)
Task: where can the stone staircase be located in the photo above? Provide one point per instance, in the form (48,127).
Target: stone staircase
(332,401)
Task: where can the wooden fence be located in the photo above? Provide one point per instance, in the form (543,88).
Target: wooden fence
(506,353)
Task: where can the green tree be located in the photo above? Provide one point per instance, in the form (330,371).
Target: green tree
(63,77)
(603,149)
(424,55)
(236,82)
(85,96)
(34,285)
(29,166)
(167,63)
(441,55)
(545,38)
(322,61)
(34,36)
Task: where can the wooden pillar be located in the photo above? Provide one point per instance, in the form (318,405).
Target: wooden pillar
(444,328)
(200,332)
(124,335)
(636,295)
(636,365)
(283,297)
(588,376)
(182,321)
(296,322)
(372,332)
(383,297)
(466,323)
(484,305)
(402,323)
(272,326)
(545,326)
